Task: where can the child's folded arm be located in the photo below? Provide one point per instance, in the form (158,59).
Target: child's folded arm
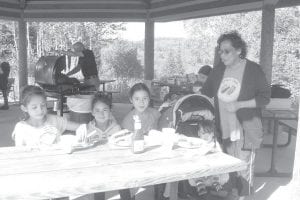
(17,135)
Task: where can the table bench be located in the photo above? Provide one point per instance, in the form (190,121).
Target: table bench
(110,93)
(292,130)
(103,82)
(277,117)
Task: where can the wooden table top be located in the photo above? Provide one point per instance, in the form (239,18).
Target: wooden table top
(34,174)
(106,81)
(280,114)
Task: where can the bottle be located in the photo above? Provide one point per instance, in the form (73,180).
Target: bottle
(137,136)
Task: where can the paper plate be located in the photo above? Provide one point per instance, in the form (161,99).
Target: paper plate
(191,143)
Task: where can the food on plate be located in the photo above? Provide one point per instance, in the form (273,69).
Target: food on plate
(190,142)
(121,138)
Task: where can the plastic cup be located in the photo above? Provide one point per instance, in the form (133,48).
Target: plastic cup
(168,130)
(168,135)
(67,142)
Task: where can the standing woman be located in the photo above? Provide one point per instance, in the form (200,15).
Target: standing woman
(240,90)
(4,74)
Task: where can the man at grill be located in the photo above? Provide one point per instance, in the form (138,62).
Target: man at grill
(86,63)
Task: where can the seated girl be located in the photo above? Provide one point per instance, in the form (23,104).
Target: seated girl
(39,129)
(104,125)
(139,96)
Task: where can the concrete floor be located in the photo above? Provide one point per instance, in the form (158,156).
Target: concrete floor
(265,188)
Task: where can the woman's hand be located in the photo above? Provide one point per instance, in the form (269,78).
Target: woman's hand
(236,105)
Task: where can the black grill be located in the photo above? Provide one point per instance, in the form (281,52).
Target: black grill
(56,84)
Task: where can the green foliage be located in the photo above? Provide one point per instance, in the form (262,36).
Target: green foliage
(122,57)
(8,47)
(286,60)
(47,36)
(173,64)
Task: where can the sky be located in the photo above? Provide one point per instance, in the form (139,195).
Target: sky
(135,30)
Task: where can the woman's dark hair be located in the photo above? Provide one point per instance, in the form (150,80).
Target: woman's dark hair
(206,69)
(29,91)
(236,41)
(102,97)
(138,87)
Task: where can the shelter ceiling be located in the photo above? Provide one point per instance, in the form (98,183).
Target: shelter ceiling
(127,10)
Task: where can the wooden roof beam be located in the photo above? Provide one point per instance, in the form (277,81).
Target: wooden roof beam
(206,10)
(10,9)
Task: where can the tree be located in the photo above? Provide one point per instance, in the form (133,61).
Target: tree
(173,64)
(46,36)
(8,44)
(286,60)
(122,57)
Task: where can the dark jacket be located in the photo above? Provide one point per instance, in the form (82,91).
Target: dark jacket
(4,76)
(254,85)
(88,64)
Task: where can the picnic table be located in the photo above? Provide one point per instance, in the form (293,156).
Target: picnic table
(103,82)
(174,88)
(275,117)
(34,174)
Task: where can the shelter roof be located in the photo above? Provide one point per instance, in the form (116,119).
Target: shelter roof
(128,10)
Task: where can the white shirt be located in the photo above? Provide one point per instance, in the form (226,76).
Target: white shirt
(48,134)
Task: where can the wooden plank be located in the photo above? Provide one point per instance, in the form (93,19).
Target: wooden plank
(9,5)
(78,160)
(83,10)
(196,5)
(149,49)
(84,5)
(10,1)
(166,5)
(9,14)
(290,124)
(32,2)
(283,114)
(9,9)
(197,12)
(81,16)
(287,3)
(101,169)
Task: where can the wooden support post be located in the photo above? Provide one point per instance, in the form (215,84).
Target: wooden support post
(267,39)
(217,58)
(23,72)
(149,49)
(295,182)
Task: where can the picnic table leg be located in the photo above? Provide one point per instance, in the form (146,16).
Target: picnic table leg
(174,191)
(272,172)
(103,87)
(61,104)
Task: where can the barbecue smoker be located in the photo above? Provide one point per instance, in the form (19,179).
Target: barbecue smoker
(48,74)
